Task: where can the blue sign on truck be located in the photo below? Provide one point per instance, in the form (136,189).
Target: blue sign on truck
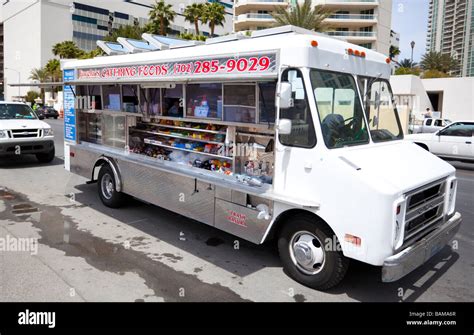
(69,108)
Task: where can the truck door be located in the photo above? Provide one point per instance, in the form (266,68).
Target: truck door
(455,140)
(293,158)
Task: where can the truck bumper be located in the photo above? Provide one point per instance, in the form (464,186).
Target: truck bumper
(26,147)
(401,264)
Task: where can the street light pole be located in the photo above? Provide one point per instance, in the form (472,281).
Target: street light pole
(412,47)
(19,79)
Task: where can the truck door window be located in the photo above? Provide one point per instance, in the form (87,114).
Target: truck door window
(382,115)
(302,127)
(428,122)
(339,109)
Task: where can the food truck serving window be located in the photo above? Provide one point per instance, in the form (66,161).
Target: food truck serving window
(130,98)
(204,101)
(150,101)
(172,101)
(112,97)
(88,97)
(266,102)
(240,103)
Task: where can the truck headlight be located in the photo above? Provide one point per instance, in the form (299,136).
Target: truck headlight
(451,188)
(3,134)
(399,221)
(48,132)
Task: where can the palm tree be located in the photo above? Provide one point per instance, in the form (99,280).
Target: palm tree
(394,52)
(161,16)
(193,13)
(303,15)
(67,49)
(53,70)
(40,75)
(127,31)
(214,14)
(434,60)
(407,63)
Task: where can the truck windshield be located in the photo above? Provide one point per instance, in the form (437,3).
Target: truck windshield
(384,122)
(340,110)
(16,112)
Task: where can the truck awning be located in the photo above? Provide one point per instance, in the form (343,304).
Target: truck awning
(49,84)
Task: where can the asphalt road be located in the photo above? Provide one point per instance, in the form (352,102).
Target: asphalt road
(88,252)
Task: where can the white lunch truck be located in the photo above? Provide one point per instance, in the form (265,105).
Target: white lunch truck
(285,134)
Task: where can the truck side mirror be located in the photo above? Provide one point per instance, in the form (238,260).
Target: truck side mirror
(286,95)
(284,127)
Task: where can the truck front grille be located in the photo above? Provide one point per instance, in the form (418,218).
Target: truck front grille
(25,133)
(424,208)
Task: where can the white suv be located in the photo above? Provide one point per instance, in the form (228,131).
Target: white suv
(454,142)
(22,133)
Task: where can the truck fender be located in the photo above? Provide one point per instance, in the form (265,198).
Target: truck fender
(115,169)
(283,217)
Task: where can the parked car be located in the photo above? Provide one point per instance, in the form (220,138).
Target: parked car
(21,133)
(47,112)
(454,141)
(429,125)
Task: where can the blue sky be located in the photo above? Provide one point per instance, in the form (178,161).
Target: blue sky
(410,19)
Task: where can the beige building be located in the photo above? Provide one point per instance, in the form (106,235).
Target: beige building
(363,22)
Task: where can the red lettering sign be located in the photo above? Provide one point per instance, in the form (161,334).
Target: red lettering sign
(234,65)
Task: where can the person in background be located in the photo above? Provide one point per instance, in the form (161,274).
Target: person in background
(428,113)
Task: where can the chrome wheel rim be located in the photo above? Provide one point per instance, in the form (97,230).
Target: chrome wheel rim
(307,252)
(107,186)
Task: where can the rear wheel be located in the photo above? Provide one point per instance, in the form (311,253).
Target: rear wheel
(311,254)
(46,157)
(108,193)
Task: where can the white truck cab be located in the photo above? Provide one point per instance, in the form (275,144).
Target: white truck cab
(429,125)
(328,174)
(22,133)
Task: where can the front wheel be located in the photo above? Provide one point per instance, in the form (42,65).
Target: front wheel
(311,254)
(108,193)
(46,157)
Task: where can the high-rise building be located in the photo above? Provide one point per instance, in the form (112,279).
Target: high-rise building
(32,27)
(451,31)
(363,22)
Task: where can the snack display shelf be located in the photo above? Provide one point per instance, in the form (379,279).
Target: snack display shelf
(177,136)
(158,144)
(188,129)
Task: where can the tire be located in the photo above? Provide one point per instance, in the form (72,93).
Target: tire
(46,157)
(326,267)
(55,117)
(108,193)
